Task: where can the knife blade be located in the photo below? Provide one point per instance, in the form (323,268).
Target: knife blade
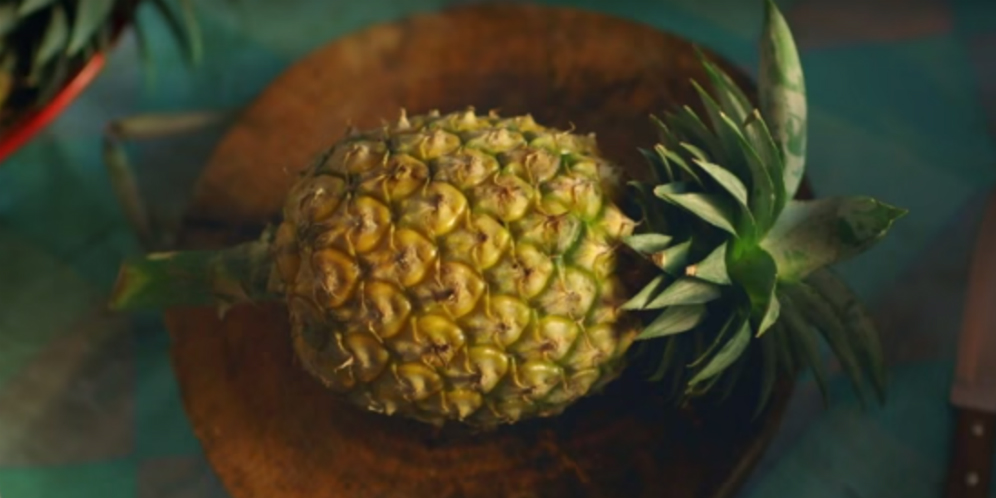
(973,392)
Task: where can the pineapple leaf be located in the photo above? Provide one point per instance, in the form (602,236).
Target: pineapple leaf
(762,195)
(648,243)
(54,40)
(814,234)
(728,145)
(731,99)
(696,131)
(770,315)
(729,353)
(733,322)
(674,258)
(665,134)
(769,371)
(685,290)
(803,341)
(666,361)
(725,179)
(783,95)
(28,7)
(857,324)
(640,300)
(661,170)
(826,320)
(195,43)
(674,320)
(90,16)
(712,268)
(756,131)
(717,210)
(669,156)
(8,18)
(755,272)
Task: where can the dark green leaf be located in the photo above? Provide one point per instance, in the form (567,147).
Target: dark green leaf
(28,7)
(665,134)
(730,352)
(660,168)
(733,322)
(782,91)
(858,326)
(674,320)
(180,28)
(640,300)
(757,133)
(90,15)
(804,343)
(769,371)
(685,290)
(666,362)
(674,258)
(689,123)
(669,156)
(727,180)
(824,317)
(713,267)
(770,315)
(714,209)
(728,143)
(762,194)
(9,18)
(731,99)
(195,43)
(648,243)
(814,234)
(754,270)
(54,40)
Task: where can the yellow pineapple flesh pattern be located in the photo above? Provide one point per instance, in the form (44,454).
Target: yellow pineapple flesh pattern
(457,267)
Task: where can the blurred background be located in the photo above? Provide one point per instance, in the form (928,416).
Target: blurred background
(903,107)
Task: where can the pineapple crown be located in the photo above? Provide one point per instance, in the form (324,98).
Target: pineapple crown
(44,42)
(742,264)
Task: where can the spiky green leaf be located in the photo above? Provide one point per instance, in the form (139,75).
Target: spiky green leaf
(28,7)
(715,209)
(729,353)
(755,272)
(729,145)
(54,40)
(762,194)
(831,326)
(769,371)
(731,98)
(685,290)
(728,181)
(803,340)
(770,315)
(759,136)
(674,259)
(732,323)
(8,18)
(670,157)
(661,169)
(695,130)
(783,95)
(642,298)
(648,243)
(90,16)
(712,268)
(674,320)
(858,326)
(182,30)
(814,234)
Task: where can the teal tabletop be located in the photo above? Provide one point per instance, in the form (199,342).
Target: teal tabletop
(903,107)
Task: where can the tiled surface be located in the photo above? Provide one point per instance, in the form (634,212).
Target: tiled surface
(903,95)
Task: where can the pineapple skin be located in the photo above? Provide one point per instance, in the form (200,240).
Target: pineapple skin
(457,267)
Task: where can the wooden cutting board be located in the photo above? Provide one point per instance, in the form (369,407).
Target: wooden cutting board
(271,431)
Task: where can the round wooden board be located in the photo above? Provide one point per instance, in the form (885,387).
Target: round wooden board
(271,431)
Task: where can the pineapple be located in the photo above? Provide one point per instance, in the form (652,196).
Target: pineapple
(468,267)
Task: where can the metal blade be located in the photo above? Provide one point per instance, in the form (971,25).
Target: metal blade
(975,374)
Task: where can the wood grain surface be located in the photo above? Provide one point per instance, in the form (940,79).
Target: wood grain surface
(271,431)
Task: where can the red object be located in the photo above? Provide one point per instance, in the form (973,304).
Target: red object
(31,124)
